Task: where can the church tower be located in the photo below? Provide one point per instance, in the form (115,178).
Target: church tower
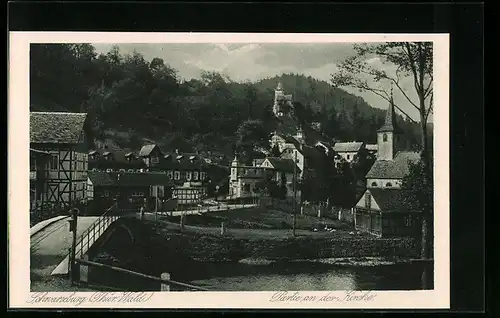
(389,135)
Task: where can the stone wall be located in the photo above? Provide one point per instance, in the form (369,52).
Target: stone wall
(203,247)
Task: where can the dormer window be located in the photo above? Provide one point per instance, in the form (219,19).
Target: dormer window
(179,157)
(192,158)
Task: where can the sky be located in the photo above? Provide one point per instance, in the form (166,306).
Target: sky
(254,61)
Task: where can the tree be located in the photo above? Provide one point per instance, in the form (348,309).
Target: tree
(411,59)
(275,151)
(251,135)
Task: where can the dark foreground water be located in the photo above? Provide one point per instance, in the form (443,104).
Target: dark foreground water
(279,276)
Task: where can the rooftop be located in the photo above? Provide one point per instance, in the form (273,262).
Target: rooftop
(56,127)
(352,146)
(393,169)
(393,200)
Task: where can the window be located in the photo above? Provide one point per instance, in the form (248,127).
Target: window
(246,188)
(368,200)
(348,157)
(384,137)
(170,174)
(388,184)
(408,221)
(137,194)
(54,162)
(32,164)
(195,175)
(188,176)
(177,175)
(155,160)
(203,175)
(122,170)
(130,170)
(374,184)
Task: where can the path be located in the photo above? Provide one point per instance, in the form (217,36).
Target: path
(50,246)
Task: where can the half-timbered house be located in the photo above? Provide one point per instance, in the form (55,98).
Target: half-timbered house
(39,161)
(65,137)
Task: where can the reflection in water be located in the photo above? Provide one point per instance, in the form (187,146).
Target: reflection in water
(308,276)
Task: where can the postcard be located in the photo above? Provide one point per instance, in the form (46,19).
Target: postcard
(228,170)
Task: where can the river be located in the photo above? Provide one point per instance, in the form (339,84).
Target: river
(304,275)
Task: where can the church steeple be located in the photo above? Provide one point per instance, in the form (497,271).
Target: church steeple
(388,136)
(390,123)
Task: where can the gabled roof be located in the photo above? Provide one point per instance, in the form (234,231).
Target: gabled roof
(146,150)
(281,164)
(393,200)
(128,179)
(353,146)
(393,169)
(56,127)
(100,178)
(371,147)
(39,152)
(118,160)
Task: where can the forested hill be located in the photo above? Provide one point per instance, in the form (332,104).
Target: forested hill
(131,100)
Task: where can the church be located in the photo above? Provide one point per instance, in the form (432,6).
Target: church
(382,209)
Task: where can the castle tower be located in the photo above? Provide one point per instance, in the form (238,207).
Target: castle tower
(279,95)
(389,135)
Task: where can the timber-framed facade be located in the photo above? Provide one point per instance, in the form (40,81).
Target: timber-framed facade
(65,137)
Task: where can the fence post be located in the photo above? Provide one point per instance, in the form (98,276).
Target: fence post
(165,286)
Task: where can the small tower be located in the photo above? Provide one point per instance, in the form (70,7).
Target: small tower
(300,135)
(389,135)
(278,98)
(234,169)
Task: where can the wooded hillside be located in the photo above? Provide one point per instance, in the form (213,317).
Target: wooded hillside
(131,100)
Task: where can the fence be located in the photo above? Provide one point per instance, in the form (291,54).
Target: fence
(163,281)
(90,235)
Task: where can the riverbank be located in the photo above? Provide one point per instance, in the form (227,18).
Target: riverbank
(205,244)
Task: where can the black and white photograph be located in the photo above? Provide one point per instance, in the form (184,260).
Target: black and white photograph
(226,166)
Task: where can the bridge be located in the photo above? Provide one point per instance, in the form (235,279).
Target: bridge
(51,241)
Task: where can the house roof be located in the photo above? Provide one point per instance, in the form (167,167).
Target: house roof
(393,169)
(371,147)
(393,200)
(353,146)
(128,179)
(56,127)
(183,161)
(39,152)
(282,164)
(146,150)
(118,160)
(100,178)
(141,179)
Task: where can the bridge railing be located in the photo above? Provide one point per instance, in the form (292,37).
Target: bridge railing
(94,231)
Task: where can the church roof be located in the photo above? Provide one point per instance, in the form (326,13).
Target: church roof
(393,200)
(393,169)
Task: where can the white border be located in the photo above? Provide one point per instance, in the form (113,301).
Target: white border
(18,163)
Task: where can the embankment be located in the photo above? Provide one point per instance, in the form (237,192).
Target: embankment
(208,248)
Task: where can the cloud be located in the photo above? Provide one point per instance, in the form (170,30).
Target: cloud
(254,61)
